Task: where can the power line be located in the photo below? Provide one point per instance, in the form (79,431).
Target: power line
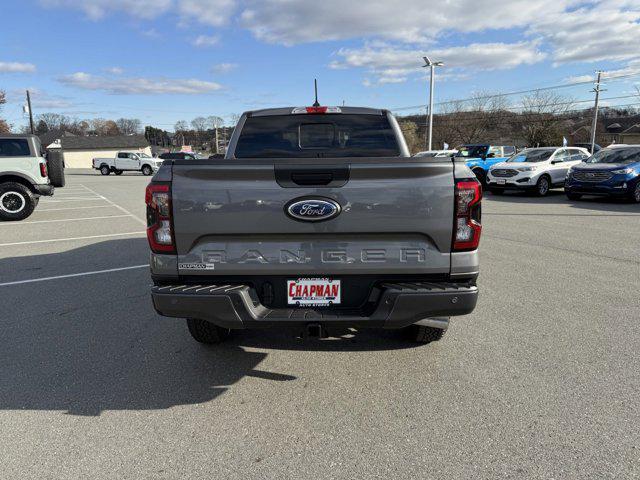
(569,115)
(520,92)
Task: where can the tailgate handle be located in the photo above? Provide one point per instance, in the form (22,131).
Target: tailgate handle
(291,176)
(313,178)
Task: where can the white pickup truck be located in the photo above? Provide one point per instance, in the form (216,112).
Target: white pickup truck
(127,161)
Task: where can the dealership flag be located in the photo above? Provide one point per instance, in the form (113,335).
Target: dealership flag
(445,146)
(564,142)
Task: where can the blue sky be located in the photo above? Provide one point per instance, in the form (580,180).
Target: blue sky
(168,60)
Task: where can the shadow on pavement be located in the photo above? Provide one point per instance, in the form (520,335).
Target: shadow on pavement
(88,344)
(556,197)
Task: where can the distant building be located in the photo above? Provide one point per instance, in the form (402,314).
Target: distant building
(53,138)
(631,135)
(80,151)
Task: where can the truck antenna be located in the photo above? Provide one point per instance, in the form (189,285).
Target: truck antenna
(315,83)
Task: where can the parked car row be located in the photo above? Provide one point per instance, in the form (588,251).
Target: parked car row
(613,171)
(534,169)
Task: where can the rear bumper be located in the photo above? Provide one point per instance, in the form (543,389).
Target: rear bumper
(44,189)
(237,306)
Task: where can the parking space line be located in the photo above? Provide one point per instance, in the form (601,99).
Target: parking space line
(71,239)
(70,208)
(71,275)
(143,222)
(10,224)
(73,199)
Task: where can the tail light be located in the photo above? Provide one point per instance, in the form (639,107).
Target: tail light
(467,228)
(43,169)
(159,221)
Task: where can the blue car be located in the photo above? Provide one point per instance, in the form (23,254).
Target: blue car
(613,171)
(480,157)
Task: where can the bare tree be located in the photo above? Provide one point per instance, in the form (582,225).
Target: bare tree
(543,113)
(215,123)
(4,126)
(53,121)
(129,126)
(410,132)
(180,127)
(472,120)
(103,127)
(234,117)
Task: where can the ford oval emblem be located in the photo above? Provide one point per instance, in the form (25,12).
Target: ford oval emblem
(312,209)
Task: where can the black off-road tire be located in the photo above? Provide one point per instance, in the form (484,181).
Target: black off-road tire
(574,196)
(104,170)
(635,195)
(423,334)
(481,176)
(543,186)
(55,168)
(118,172)
(146,170)
(206,332)
(17,202)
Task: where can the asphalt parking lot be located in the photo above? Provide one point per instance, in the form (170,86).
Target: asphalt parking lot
(541,381)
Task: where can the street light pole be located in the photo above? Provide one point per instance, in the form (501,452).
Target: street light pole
(432,66)
(597,90)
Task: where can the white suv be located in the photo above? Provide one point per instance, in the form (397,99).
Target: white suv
(25,175)
(535,169)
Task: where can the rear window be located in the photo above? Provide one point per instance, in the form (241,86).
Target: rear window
(330,135)
(14,147)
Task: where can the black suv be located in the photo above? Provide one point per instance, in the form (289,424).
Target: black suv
(178,156)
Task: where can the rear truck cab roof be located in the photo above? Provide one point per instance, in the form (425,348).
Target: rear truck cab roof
(315,215)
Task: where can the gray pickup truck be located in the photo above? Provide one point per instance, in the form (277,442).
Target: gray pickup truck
(317,218)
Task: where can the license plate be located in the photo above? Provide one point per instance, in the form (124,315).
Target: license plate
(501,181)
(314,292)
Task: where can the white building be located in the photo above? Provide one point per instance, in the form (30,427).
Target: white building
(80,151)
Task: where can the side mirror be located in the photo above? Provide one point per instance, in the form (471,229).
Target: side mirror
(554,162)
(491,155)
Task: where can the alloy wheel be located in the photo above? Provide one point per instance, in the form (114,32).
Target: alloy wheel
(12,202)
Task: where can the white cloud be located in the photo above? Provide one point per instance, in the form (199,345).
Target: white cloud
(209,12)
(602,31)
(565,30)
(139,86)
(299,21)
(223,68)
(395,65)
(97,9)
(17,67)
(115,70)
(206,41)
(40,99)
(579,78)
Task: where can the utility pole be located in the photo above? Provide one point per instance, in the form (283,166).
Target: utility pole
(432,66)
(30,112)
(597,90)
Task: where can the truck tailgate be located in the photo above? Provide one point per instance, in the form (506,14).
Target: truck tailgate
(396,217)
